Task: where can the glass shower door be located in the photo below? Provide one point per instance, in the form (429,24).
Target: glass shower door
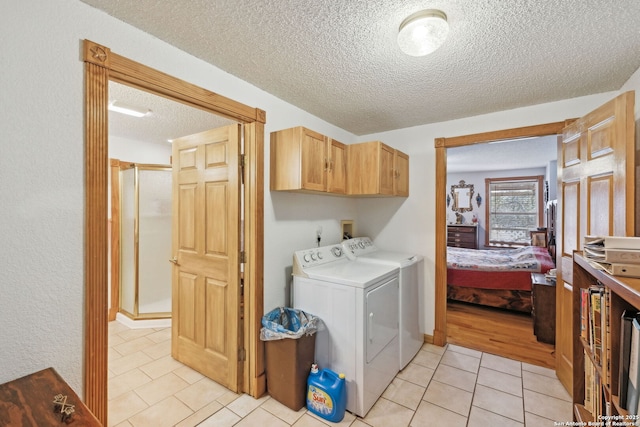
(145,243)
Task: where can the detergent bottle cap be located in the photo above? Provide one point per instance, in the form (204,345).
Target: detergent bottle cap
(341,375)
(314,368)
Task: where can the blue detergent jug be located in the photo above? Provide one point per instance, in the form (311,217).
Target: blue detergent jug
(326,394)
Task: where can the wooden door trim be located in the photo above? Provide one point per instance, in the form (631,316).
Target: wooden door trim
(115,239)
(441,145)
(101,66)
(254,368)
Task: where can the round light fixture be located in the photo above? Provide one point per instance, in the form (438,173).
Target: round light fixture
(423,32)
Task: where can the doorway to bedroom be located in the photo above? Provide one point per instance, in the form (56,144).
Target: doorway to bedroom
(472,320)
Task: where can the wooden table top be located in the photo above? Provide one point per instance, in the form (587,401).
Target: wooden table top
(29,401)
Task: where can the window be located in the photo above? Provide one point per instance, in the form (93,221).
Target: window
(514,208)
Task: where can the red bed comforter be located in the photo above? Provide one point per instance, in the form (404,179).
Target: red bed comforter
(496,269)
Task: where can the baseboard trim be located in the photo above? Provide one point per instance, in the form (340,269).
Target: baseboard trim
(142,324)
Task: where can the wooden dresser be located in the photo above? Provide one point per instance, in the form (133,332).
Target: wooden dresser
(462,236)
(29,401)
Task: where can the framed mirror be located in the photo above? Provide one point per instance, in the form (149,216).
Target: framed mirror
(462,195)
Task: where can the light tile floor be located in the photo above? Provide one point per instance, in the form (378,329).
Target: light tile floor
(451,386)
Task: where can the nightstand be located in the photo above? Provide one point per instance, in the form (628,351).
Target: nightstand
(543,295)
(538,237)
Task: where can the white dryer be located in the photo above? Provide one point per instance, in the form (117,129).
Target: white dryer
(411,284)
(358,305)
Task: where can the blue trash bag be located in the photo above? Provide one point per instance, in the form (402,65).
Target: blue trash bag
(283,322)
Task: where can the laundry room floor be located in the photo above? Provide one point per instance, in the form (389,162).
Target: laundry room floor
(450,386)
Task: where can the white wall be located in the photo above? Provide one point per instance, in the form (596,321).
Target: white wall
(42,171)
(633,84)
(552,179)
(128,150)
(477,179)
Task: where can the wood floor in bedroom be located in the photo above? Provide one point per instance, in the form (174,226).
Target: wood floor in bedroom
(500,332)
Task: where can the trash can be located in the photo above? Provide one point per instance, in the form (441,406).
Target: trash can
(290,344)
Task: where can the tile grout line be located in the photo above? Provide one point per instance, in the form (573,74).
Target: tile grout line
(473,394)
(421,400)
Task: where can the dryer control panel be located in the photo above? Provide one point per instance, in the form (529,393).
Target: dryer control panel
(358,246)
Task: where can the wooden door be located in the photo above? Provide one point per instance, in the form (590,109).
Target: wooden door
(206,234)
(314,160)
(596,196)
(401,171)
(337,172)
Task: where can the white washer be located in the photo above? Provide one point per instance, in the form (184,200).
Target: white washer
(358,305)
(411,282)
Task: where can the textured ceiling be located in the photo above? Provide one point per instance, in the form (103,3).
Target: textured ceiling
(338,59)
(169,120)
(504,155)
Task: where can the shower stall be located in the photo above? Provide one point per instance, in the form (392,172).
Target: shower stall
(144,216)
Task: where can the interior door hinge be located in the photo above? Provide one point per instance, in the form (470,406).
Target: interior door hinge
(242,355)
(243,257)
(243,161)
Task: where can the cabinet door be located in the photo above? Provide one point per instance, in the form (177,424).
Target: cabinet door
(314,161)
(337,173)
(364,168)
(387,178)
(401,174)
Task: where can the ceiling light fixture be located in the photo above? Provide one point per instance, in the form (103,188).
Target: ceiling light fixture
(423,32)
(130,110)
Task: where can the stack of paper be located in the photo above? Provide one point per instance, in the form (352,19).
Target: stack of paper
(594,248)
(619,256)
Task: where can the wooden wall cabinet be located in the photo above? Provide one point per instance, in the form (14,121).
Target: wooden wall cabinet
(307,161)
(401,170)
(602,368)
(337,170)
(376,169)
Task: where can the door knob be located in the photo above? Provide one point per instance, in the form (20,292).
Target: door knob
(174,260)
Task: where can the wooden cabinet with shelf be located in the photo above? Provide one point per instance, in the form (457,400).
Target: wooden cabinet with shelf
(377,169)
(462,236)
(602,367)
(305,160)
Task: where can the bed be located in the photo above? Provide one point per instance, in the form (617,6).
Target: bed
(497,278)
